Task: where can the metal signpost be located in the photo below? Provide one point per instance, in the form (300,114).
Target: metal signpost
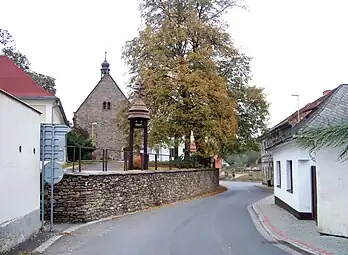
(53,138)
(53,173)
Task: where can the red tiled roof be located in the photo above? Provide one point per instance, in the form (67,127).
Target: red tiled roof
(16,82)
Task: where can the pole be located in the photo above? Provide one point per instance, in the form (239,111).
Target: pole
(103,160)
(92,133)
(52,171)
(131,145)
(43,179)
(106,160)
(298,108)
(146,164)
(80,154)
(93,124)
(74,158)
(156,161)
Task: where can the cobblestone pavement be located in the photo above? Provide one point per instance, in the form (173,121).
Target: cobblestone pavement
(283,226)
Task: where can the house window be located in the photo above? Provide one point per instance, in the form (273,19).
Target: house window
(279,174)
(104,105)
(109,105)
(289,179)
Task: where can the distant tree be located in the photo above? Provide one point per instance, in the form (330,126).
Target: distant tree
(17,57)
(78,137)
(45,81)
(21,60)
(252,157)
(5,37)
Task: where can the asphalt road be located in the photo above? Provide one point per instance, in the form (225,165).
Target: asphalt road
(218,225)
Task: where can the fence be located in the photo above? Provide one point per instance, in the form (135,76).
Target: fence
(97,159)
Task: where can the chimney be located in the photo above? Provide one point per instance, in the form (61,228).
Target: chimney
(325,92)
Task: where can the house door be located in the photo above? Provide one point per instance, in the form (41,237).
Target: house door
(314,193)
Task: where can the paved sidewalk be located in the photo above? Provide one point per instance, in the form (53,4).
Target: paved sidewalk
(300,233)
(40,238)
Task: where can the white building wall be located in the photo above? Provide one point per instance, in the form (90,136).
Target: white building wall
(19,171)
(45,106)
(300,199)
(332,190)
(164,153)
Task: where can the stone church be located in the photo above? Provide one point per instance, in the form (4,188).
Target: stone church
(100,109)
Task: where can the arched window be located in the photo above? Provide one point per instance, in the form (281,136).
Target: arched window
(104,105)
(109,105)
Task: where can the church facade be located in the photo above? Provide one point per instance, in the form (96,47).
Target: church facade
(100,109)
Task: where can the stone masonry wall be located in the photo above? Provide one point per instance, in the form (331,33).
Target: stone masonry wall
(80,197)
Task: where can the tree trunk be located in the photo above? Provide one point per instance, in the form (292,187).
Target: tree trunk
(176,150)
(187,146)
(202,158)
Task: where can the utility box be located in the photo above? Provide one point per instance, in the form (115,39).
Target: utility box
(58,133)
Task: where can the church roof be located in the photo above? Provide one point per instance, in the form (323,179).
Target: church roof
(105,64)
(16,82)
(113,81)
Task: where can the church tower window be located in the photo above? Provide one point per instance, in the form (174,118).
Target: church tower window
(104,105)
(109,105)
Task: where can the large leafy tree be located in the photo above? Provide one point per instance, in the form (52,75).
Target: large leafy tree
(9,49)
(194,79)
(327,136)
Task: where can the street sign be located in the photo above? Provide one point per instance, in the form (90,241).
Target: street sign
(53,136)
(58,172)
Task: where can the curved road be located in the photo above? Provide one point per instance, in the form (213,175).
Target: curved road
(218,225)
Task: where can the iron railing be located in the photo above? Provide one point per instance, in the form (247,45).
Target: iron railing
(105,159)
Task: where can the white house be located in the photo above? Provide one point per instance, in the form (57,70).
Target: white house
(312,186)
(19,175)
(163,153)
(292,179)
(47,105)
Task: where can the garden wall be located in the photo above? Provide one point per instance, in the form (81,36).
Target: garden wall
(83,197)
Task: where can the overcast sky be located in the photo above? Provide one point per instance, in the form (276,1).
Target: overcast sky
(298,46)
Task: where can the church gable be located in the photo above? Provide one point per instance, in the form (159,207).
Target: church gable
(101,107)
(106,91)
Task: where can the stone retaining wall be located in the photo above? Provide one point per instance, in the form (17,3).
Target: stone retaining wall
(83,197)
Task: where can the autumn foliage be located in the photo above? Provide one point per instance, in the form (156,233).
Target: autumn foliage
(191,73)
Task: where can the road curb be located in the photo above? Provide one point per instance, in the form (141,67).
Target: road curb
(44,246)
(280,236)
